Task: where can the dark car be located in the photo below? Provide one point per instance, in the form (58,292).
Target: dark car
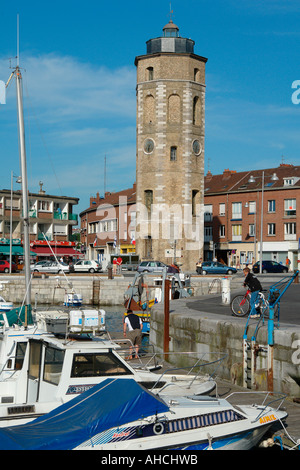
(269,267)
(214,267)
(4,266)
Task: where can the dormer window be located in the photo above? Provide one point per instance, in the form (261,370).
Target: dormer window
(291,181)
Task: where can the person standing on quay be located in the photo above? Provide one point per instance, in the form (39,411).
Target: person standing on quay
(134,334)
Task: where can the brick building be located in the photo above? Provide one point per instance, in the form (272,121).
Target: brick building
(108,225)
(51,215)
(247,208)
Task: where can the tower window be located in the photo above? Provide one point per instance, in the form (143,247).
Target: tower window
(195,201)
(150,73)
(196,75)
(173,154)
(196,111)
(148,199)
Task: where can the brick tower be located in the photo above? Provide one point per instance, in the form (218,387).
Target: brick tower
(170,150)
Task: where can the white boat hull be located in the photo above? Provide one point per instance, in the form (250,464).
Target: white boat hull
(190,429)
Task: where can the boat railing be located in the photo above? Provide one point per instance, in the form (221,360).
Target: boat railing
(147,360)
(189,370)
(264,408)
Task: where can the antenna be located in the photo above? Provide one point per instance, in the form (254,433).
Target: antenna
(171,11)
(104,175)
(18,40)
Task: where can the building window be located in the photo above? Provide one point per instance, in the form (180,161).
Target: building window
(173,154)
(222,231)
(252,207)
(236,210)
(208,234)
(109,225)
(236,233)
(252,230)
(45,206)
(271,205)
(222,209)
(207,212)
(290,231)
(271,229)
(289,207)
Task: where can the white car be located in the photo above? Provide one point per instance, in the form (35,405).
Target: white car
(50,267)
(88,266)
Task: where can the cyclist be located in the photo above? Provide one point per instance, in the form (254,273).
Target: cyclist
(255,287)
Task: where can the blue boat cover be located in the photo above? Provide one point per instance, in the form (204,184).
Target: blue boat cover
(113,402)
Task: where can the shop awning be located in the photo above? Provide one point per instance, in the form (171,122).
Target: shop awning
(58,251)
(15,249)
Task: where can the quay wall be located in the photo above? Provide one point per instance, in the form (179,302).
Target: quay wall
(95,289)
(50,290)
(217,335)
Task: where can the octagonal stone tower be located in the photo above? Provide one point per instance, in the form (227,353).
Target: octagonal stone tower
(170,150)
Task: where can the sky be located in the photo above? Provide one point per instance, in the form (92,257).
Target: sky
(79,87)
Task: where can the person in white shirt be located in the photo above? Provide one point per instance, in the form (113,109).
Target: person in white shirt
(134,333)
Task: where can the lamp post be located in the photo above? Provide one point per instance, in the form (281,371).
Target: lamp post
(274,177)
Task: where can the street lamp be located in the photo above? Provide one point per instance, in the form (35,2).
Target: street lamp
(274,177)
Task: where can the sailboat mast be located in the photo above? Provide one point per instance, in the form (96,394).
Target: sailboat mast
(23,165)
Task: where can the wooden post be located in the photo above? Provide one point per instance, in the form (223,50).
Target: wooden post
(166,318)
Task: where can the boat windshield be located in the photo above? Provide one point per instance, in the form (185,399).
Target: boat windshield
(97,365)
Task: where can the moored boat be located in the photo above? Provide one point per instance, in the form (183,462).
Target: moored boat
(137,420)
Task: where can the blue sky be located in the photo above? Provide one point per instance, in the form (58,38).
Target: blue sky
(79,83)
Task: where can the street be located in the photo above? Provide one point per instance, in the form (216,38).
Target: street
(289,302)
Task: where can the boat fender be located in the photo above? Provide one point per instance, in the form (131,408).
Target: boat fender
(158,428)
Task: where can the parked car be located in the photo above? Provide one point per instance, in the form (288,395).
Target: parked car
(270,267)
(214,267)
(151,267)
(4,266)
(156,266)
(50,267)
(40,263)
(88,266)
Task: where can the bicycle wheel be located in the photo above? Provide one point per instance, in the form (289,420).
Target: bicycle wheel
(240,306)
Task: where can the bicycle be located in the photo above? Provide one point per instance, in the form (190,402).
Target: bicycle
(240,305)
(263,305)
